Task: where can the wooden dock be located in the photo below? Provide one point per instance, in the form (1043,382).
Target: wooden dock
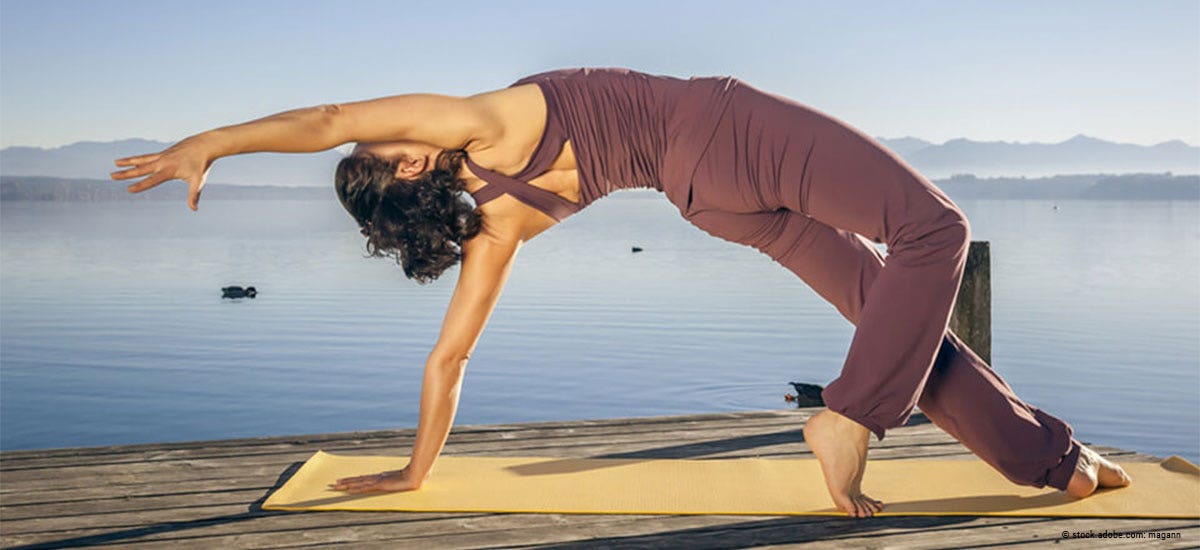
(208,494)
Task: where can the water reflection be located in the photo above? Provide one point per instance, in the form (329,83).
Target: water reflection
(113,329)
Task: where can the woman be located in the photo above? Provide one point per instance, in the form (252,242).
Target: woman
(743,165)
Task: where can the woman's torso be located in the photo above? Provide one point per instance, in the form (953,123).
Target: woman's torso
(594,131)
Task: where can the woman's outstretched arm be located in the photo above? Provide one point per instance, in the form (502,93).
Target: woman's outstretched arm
(444,121)
(487,262)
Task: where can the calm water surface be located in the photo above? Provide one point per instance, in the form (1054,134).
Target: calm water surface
(113,329)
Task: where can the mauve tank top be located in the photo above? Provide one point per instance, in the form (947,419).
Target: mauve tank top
(628,129)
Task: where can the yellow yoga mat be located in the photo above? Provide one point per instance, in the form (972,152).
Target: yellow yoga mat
(754,486)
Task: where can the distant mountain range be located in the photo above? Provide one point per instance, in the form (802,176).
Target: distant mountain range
(1078,155)
(94,160)
(43,188)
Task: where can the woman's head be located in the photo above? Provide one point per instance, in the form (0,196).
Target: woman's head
(408,202)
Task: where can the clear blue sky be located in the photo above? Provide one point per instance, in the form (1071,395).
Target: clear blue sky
(1010,70)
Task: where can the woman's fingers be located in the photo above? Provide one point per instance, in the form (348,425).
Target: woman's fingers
(395,480)
(194,195)
(137,159)
(356,479)
(149,182)
(133,172)
(358,483)
(354,486)
(179,161)
(347,484)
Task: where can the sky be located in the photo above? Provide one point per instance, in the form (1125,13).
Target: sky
(1013,70)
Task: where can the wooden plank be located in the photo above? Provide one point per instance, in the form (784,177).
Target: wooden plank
(698,532)
(26,459)
(711,532)
(135,474)
(686,441)
(690,431)
(463,530)
(456,430)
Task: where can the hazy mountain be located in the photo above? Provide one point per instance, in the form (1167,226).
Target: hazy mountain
(94,160)
(1075,186)
(906,145)
(1078,155)
(43,188)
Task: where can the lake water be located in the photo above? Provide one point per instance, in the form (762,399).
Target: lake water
(113,329)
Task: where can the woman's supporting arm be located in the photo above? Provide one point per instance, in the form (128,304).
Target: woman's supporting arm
(487,261)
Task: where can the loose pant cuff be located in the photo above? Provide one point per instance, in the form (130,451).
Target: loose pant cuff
(1060,475)
(868,423)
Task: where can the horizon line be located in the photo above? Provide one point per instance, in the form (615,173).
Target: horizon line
(906,136)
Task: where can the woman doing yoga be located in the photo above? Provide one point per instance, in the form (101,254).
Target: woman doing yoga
(741,164)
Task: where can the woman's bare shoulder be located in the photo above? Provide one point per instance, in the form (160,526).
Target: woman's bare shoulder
(520,115)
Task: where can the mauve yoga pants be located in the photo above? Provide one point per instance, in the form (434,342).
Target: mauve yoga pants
(811,192)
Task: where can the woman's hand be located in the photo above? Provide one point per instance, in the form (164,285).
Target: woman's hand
(383,482)
(188,160)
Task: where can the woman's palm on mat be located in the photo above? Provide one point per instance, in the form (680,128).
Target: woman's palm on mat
(382,482)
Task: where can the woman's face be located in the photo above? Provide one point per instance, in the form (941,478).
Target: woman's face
(415,158)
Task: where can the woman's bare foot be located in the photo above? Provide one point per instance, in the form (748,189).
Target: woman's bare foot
(1094,471)
(841,447)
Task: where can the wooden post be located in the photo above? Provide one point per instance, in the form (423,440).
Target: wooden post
(972,316)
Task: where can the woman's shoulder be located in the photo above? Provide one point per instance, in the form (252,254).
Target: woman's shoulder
(519,115)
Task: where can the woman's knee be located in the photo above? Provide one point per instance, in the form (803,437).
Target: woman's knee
(943,236)
(959,229)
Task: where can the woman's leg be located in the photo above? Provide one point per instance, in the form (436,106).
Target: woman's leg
(972,403)
(848,181)
(773,152)
(961,394)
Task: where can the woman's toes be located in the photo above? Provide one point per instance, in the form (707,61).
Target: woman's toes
(859,506)
(1112,475)
(863,510)
(847,504)
(866,505)
(862,505)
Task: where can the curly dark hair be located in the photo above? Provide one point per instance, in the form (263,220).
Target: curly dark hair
(422,222)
